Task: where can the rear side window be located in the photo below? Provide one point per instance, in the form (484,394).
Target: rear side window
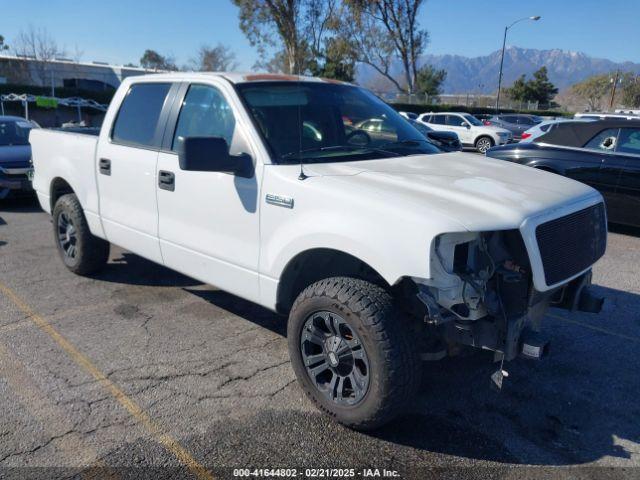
(138,116)
(605,140)
(454,121)
(437,119)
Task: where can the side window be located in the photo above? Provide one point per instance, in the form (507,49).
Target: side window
(629,141)
(454,121)
(605,140)
(137,119)
(204,113)
(437,119)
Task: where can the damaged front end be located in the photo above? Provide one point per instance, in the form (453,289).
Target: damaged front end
(481,294)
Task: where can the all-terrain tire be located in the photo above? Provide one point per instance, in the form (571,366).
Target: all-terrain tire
(394,366)
(90,253)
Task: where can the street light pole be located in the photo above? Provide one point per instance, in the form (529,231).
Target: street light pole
(504,43)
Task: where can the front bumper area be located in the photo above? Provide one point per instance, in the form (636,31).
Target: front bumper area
(505,333)
(15,180)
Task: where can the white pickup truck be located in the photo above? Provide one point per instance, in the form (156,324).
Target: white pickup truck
(382,250)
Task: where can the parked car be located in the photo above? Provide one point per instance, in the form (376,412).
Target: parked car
(471,131)
(543,127)
(604,154)
(15,156)
(517,124)
(447,141)
(379,251)
(605,116)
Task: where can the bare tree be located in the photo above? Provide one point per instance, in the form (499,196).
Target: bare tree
(152,60)
(214,59)
(39,45)
(384,29)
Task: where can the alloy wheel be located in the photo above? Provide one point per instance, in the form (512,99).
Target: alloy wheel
(67,235)
(335,358)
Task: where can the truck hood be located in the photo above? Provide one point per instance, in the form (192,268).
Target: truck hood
(477,192)
(15,155)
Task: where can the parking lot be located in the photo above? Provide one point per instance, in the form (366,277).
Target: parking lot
(142,367)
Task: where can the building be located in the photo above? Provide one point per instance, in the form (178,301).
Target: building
(64,72)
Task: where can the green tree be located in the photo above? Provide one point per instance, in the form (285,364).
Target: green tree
(3,46)
(593,90)
(152,60)
(519,90)
(282,24)
(539,88)
(430,80)
(334,61)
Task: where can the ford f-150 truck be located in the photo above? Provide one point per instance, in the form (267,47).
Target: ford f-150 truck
(382,251)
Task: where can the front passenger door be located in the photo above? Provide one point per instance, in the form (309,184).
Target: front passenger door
(208,221)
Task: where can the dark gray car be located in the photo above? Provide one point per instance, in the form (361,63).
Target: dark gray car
(15,156)
(515,123)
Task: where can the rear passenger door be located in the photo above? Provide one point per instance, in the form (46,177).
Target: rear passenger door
(127,155)
(209,221)
(627,195)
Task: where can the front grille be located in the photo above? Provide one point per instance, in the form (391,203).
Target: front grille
(571,244)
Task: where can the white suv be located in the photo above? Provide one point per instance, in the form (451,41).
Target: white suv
(472,132)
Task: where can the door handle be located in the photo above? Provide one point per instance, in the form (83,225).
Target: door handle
(166,180)
(105,166)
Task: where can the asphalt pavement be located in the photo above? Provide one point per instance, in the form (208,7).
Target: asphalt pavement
(142,372)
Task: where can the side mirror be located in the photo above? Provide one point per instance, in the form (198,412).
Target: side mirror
(465,125)
(211,154)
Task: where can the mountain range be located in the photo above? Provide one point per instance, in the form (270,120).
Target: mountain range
(480,74)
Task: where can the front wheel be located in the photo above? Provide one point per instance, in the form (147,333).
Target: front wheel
(483,144)
(351,352)
(81,251)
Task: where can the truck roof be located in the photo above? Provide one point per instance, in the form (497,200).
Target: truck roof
(241,77)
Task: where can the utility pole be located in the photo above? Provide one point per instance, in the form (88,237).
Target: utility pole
(613,89)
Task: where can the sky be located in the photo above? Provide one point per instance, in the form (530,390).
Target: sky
(118,31)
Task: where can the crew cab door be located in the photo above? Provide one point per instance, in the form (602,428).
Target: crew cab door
(209,221)
(126,159)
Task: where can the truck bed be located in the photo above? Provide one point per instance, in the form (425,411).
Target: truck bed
(70,156)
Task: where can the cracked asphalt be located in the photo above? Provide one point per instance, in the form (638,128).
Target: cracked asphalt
(149,363)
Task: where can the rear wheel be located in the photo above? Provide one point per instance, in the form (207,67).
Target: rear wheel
(483,144)
(351,353)
(81,252)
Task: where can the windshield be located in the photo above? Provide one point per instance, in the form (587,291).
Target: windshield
(328,122)
(472,120)
(14,132)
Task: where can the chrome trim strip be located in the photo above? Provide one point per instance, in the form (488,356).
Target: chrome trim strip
(587,150)
(16,171)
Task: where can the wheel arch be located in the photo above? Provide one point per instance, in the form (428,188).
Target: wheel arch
(58,187)
(484,135)
(315,264)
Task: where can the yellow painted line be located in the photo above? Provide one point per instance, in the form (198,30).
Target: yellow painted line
(593,327)
(131,406)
